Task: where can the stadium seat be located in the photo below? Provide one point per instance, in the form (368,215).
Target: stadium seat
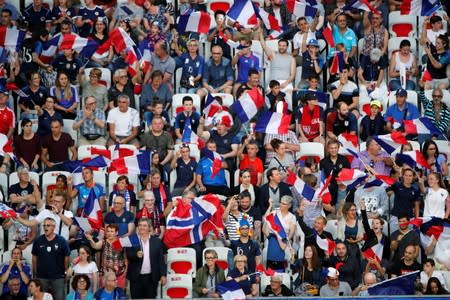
(181,261)
(332,228)
(216,5)
(6,257)
(236,177)
(178,286)
(4,183)
(412,98)
(444,147)
(394,45)
(402,25)
(14,178)
(172,179)
(316,150)
(84,151)
(227,178)
(445,98)
(265,280)
(223,257)
(227,99)
(446,275)
(49,179)
(177,101)
(106,76)
(68,129)
(112,179)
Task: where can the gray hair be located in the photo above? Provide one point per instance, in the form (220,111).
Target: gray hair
(123,96)
(287,199)
(118,71)
(22,169)
(149,194)
(278,278)
(109,275)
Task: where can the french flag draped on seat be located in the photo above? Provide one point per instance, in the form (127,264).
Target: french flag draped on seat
(302,188)
(275,225)
(126,242)
(11,38)
(273,122)
(211,106)
(198,21)
(391,142)
(248,105)
(361,5)
(351,177)
(85,47)
(93,212)
(413,159)
(216,159)
(337,64)
(244,13)
(138,164)
(230,290)
(419,7)
(421,125)
(189,224)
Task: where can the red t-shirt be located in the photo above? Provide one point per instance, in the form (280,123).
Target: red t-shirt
(255,166)
(7,120)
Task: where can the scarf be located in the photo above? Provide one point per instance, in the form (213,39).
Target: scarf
(163,196)
(126,195)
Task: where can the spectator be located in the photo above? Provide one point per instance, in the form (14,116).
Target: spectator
(87,15)
(245,185)
(100,35)
(232,218)
(309,269)
(61,13)
(226,142)
(121,85)
(342,33)
(111,288)
(403,58)
(68,63)
(209,276)
(348,264)
(313,63)
(310,120)
(436,197)
(27,146)
(218,75)
(245,61)
(80,285)
(91,123)
(192,67)
(185,167)
(60,186)
(154,183)
(146,267)
(162,61)
(187,115)
(87,268)
(46,115)
(374,157)
(429,272)
(401,239)
(435,109)
(350,61)
(407,263)
(438,59)
(341,121)
(306,33)
(18,269)
(246,246)
(274,189)
(156,13)
(156,88)
(371,73)
(214,34)
(123,123)
(432,27)
(36,291)
(345,91)
(434,287)
(369,279)
(334,286)
(159,140)
(124,189)
(36,15)
(372,124)
(253,81)
(7,115)
(376,36)
(122,218)
(289,139)
(276,288)
(7,6)
(156,109)
(51,256)
(281,161)
(375,200)
(36,95)
(127,11)
(26,191)
(14,290)
(240,274)
(83,190)
(435,159)
(152,212)
(66,96)
(95,88)
(250,161)
(23,235)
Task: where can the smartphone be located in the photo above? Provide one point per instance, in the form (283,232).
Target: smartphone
(48,207)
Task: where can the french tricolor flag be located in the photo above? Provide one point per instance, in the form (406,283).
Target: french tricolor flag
(228,41)
(244,13)
(328,35)
(146,57)
(138,164)
(230,290)
(302,188)
(337,64)
(49,49)
(248,105)
(325,192)
(419,7)
(351,177)
(325,244)
(198,21)
(421,125)
(413,159)
(269,20)
(126,242)
(275,225)
(102,152)
(216,159)
(93,212)
(189,136)
(301,8)
(211,106)
(349,143)
(85,47)
(6,211)
(361,5)
(374,253)
(274,123)
(11,38)
(380,180)
(391,142)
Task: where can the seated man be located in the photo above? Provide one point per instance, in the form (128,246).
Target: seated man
(55,146)
(91,122)
(161,60)
(334,286)
(400,111)
(155,89)
(25,190)
(375,158)
(184,116)
(276,288)
(14,291)
(159,140)
(245,61)
(205,180)
(371,73)
(407,264)
(123,218)
(340,121)
(123,123)
(344,90)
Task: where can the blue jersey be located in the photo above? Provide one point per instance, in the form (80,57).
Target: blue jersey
(36,18)
(246,63)
(83,193)
(192,67)
(89,14)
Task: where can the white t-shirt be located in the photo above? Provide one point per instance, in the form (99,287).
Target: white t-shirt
(45,213)
(124,121)
(88,269)
(298,40)
(424,278)
(47,296)
(431,35)
(435,203)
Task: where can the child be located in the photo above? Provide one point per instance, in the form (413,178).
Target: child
(275,90)
(156,109)
(374,123)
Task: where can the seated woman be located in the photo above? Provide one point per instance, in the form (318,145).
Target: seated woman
(88,267)
(403,59)
(47,114)
(81,288)
(151,211)
(436,160)
(60,187)
(372,124)
(185,167)
(434,287)
(95,88)
(208,277)
(36,291)
(309,269)
(241,276)
(438,60)
(282,162)
(27,146)
(66,96)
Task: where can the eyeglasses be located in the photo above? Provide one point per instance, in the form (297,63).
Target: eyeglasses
(437,96)
(210,257)
(123,76)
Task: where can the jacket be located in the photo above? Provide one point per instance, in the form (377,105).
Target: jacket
(202,276)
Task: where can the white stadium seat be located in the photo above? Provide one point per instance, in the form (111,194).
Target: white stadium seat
(178,286)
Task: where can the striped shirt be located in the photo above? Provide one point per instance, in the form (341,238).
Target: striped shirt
(430,112)
(89,126)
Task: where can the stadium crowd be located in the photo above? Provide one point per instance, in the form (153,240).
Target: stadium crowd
(358,81)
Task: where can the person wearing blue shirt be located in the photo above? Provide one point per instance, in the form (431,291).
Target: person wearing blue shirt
(182,117)
(245,61)
(87,15)
(192,65)
(400,111)
(83,190)
(110,291)
(343,34)
(35,95)
(123,218)
(16,268)
(37,15)
(4,5)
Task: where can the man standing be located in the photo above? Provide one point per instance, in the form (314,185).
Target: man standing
(91,122)
(146,267)
(274,189)
(246,246)
(51,257)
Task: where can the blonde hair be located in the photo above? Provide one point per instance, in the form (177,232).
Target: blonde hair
(58,88)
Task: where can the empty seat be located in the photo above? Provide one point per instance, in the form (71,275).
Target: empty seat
(181,261)
(178,286)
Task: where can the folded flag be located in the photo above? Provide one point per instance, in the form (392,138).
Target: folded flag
(216,159)
(269,20)
(420,7)
(138,164)
(190,223)
(351,177)
(11,38)
(421,125)
(126,242)
(230,290)
(268,272)
(93,212)
(337,64)
(361,5)
(301,9)
(243,12)
(413,159)
(6,211)
(349,143)
(391,142)
(325,192)
(325,244)
(198,21)
(328,35)
(85,47)
(248,105)
(274,123)
(275,225)
(211,106)
(300,186)
(402,285)
(49,49)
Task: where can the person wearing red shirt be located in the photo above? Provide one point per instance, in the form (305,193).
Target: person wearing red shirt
(310,124)
(7,124)
(251,161)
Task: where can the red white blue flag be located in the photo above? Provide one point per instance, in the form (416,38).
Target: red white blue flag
(244,13)
(248,105)
(351,177)
(198,21)
(93,212)
(420,7)
(274,123)
(275,225)
(413,159)
(391,142)
(421,125)
(302,188)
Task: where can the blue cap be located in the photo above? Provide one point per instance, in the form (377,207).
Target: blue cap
(401,93)
(244,222)
(313,42)
(241,47)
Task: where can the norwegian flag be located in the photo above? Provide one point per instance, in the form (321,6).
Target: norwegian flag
(391,142)
(189,224)
(413,159)
(216,159)
(337,64)
(301,187)
(325,192)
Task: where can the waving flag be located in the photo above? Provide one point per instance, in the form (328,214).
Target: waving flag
(351,177)
(272,122)
(301,9)
(328,35)
(361,5)
(243,12)
(11,38)
(325,192)
(380,180)
(85,47)
(337,64)
(198,21)
(402,285)
(102,152)
(138,164)
(429,226)
(189,136)
(413,159)
(269,20)
(49,49)
(391,142)
(126,242)
(325,244)
(211,106)
(268,272)
(248,105)
(5,145)
(216,159)
(6,211)
(120,151)
(144,48)
(93,212)
(374,252)
(275,225)
(230,290)
(420,7)
(349,143)
(78,165)
(189,224)
(302,188)
(228,41)
(420,126)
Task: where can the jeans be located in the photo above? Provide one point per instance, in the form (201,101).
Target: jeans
(55,286)
(31,116)
(395,84)
(188,90)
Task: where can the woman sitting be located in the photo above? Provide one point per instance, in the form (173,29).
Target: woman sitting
(240,274)
(66,96)
(80,285)
(209,276)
